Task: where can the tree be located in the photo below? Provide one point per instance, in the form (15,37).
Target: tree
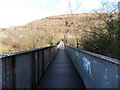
(104,35)
(74,22)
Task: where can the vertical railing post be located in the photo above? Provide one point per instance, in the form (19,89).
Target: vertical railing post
(3,73)
(7,73)
(33,69)
(0,74)
(13,76)
(49,56)
(43,63)
(38,65)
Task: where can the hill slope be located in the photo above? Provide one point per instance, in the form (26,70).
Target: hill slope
(49,31)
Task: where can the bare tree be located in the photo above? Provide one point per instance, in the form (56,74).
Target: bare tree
(74,22)
(104,32)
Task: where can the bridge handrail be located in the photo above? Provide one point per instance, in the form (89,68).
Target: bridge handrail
(105,58)
(23,52)
(25,69)
(97,71)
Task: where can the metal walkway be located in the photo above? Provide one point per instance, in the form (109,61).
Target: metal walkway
(61,74)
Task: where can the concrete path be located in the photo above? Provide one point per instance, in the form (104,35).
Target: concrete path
(61,74)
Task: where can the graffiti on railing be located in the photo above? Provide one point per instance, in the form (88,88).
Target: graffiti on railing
(7,78)
(86,65)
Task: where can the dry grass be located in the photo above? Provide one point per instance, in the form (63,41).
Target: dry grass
(39,32)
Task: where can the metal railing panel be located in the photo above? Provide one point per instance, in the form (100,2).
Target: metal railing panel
(0,74)
(97,71)
(25,69)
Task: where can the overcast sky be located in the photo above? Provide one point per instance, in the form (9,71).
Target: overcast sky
(20,12)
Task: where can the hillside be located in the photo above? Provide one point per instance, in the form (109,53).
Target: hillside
(54,27)
(49,31)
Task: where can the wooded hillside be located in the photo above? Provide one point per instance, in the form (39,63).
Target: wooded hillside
(96,32)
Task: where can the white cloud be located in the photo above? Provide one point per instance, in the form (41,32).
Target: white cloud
(78,6)
(112,0)
(63,6)
(18,12)
(14,13)
(89,5)
(44,1)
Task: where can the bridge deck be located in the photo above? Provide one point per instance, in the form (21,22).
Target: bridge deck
(61,74)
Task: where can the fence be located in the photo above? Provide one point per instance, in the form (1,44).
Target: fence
(97,71)
(25,69)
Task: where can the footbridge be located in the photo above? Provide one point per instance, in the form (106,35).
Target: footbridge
(59,66)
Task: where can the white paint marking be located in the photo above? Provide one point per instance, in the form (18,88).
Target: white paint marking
(87,65)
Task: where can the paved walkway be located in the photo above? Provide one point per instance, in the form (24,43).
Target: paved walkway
(61,74)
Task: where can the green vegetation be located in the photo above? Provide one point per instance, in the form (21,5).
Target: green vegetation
(2,29)
(104,39)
